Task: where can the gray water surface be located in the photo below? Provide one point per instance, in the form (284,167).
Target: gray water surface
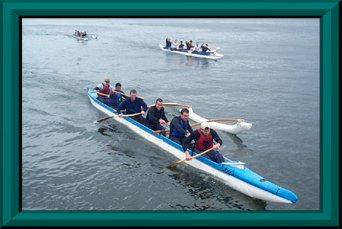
(269,76)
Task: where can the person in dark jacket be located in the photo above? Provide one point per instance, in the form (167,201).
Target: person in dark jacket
(156,116)
(203,138)
(134,105)
(180,127)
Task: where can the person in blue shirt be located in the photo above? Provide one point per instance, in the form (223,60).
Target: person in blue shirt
(116,96)
(180,127)
(134,105)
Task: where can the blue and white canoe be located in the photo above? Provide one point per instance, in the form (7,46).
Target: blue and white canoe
(207,55)
(232,173)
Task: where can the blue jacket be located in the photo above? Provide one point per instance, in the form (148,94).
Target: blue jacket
(132,107)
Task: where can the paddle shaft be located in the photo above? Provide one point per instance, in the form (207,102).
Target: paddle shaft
(176,104)
(200,154)
(127,95)
(209,120)
(99,93)
(117,92)
(117,116)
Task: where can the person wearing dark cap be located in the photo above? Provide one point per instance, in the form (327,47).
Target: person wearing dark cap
(103,90)
(203,138)
(156,116)
(134,105)
(189,45)
(205,48)
(116,96)
(180,127)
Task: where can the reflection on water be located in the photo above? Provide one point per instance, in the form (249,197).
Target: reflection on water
(204,189)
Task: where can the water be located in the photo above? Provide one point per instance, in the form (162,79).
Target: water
(269,76)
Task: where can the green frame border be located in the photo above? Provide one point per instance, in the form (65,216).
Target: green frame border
(13,10)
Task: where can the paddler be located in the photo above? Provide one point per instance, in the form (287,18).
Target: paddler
(134,105)
(116,96)
(180,127)
(156,116)
(103,90)
(203,138)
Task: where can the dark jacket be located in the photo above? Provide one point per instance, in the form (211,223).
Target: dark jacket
(175,124)
(132,107)
(153,115)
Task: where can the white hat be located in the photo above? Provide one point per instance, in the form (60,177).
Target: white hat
(205,125)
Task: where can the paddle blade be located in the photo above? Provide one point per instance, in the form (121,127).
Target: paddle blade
(173,165)
(103,119)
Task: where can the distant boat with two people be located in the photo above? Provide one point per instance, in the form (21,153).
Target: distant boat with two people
(84,36)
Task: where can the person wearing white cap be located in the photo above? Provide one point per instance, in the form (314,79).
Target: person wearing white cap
(204,138)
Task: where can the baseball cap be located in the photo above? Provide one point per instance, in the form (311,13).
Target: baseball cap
(205,125)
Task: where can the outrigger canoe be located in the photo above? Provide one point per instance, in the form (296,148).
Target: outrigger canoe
(206,55)
(232,173)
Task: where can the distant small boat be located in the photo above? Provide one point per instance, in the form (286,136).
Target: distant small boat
(213,55)
(85,37)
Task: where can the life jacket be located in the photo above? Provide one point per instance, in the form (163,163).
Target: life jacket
(105,89)
(175,132)
(204,142)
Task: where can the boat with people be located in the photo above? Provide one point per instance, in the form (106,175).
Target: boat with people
(213,55)
(232,173)
(84,36)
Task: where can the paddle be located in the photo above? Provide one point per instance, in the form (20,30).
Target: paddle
(117,92)
(180,161)
(176,104)
(117,116)
(209,120)
(99,93)
(127,95)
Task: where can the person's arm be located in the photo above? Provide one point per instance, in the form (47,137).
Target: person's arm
(98,87)
(151,115)
(189,127)
(164,116)
(122,106)
(216,138)
(194,136)
(143,104)
(186,143)
(176,125)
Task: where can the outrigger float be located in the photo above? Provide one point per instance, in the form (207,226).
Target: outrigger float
(232,173)
(236,128)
